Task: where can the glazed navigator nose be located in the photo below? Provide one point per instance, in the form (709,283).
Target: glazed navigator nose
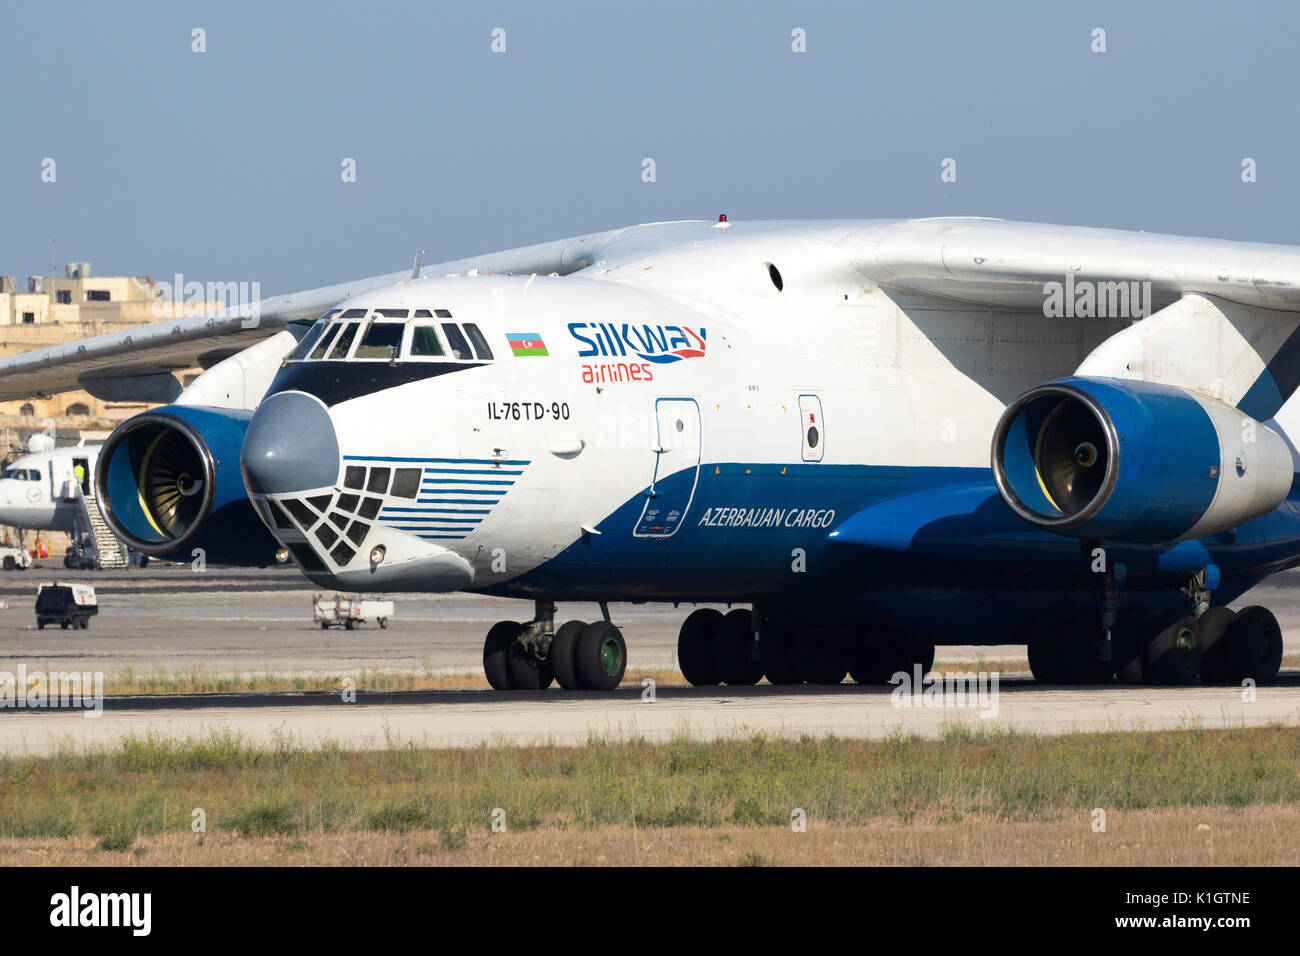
(290,446)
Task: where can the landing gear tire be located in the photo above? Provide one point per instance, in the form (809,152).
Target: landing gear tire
(1080,650)
(1046,661)
(885,655)
(527,670)
(601,657)
(1041,634)
(776,646)
(564,649)
(732,642)
(10,563)
(1215,624)
(496,653)
(1174,647)
(1128,645)
(823,658)
(1254,646)
(695,646)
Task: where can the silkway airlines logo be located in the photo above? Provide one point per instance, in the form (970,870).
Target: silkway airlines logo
(658,344)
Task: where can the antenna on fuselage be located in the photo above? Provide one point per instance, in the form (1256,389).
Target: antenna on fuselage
(415,266)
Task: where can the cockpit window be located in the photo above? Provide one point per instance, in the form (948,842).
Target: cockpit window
(481,349)
(319,350)
(22,474)
(344,341)
(459,347)
(424,342)
(310,339)
(379,335)
(383,340)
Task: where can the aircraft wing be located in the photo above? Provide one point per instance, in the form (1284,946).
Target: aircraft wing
(1219,317)
(997,263)
(1242,297)
(137,364)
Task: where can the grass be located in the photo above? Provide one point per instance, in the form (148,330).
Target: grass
(198,681)
(153,784)
(977,795)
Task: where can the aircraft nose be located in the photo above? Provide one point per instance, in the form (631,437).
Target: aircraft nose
(290,445)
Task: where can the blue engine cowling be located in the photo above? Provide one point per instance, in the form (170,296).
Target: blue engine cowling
(1112,459)
(168,482)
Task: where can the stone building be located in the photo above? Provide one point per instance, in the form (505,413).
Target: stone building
(47,311)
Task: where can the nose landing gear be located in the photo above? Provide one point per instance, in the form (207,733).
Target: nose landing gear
(530,656)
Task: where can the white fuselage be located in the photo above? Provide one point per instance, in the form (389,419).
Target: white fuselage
(37,491)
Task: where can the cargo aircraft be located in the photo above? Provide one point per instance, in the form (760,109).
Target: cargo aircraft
(865,436)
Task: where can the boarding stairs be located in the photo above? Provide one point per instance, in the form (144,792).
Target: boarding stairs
(89,521)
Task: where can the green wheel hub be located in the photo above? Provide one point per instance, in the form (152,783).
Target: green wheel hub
(1185,646)
(611,656)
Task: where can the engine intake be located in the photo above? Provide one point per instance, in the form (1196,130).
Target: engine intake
(168,480)
(1135,461)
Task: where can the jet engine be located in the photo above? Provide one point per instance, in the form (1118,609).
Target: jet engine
(1112,459)
(168,482)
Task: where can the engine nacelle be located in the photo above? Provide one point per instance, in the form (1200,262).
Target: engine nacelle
(1112,459)
(168,481)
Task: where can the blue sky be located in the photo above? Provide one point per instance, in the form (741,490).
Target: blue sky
(225,165)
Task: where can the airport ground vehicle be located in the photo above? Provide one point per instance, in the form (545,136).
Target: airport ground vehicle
(12,558)
(348,612)
(67,605)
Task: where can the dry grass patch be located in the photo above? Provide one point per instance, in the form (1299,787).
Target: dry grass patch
(1162,837)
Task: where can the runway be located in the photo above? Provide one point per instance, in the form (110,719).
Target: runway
(171,619)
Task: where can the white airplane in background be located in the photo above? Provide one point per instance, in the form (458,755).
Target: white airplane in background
(37,490)
(880,434)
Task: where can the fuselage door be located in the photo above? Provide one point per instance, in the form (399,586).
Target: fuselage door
(676,467)
(814,428)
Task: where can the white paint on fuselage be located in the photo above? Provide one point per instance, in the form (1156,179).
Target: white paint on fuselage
(915,383)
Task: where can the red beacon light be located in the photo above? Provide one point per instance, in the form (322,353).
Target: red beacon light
(722,223)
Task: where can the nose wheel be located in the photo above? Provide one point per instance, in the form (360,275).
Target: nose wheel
(577,655)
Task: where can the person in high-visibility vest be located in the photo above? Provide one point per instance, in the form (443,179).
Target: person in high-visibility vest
(79,471)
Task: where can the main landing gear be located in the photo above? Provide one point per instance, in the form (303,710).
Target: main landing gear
(1172,645)
(741,647)
(577,655)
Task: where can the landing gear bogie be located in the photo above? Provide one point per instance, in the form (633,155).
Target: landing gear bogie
(532,656)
